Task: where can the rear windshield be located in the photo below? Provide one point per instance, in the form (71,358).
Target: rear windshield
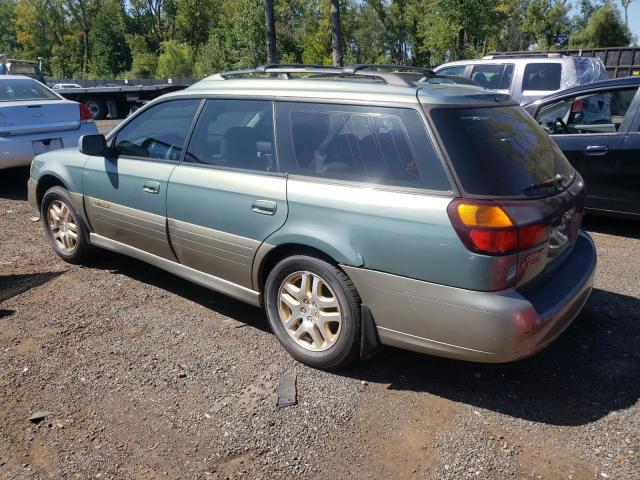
(24,89)
(501,151)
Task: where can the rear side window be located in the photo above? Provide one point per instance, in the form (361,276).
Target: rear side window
(378,145)
(495,77)
(234,134)
(542,76)
(501,151)
(24,89)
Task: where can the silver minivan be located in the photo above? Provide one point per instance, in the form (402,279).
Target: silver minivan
(527,77)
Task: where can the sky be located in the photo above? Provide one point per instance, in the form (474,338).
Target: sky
(634,16)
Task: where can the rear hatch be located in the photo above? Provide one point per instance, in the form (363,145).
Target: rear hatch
(27,106)
(520,195)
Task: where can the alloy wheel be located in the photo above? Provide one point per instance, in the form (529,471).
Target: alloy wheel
(309,311)
(62,226)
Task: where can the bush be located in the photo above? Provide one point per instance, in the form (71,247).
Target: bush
(175,60)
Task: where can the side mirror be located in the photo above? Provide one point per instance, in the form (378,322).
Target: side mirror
(94,145)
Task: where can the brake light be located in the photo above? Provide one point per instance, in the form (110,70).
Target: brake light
(85,113)
(486,227)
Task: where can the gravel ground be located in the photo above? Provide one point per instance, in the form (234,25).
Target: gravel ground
(145,375)
(105,126)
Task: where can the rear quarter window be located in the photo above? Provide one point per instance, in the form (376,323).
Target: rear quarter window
(376,145)
(542,76)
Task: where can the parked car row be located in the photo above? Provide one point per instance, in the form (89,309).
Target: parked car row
(359,207)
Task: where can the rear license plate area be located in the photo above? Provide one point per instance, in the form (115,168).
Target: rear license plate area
(562,232)
(47,145)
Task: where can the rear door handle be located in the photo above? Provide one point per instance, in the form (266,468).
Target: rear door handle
(596,150)
(151,187)
(264,207)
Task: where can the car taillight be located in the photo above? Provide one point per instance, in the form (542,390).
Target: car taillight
(485,227)
(85,113)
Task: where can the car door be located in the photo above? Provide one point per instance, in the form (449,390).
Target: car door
(589,127)
(125,194)
(626,183)
(227,196)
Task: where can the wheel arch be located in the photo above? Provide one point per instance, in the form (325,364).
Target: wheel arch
(269,255)
(45,182)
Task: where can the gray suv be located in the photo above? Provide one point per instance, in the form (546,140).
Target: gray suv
(528,76)
(359,206)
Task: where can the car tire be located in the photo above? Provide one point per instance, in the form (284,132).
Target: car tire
(66,231)
(316,320)
(97,106)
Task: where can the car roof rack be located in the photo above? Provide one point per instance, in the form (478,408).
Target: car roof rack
(541,54)
(396,75)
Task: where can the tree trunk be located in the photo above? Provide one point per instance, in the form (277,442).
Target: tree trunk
(625,5)
(270,32)
(336,34)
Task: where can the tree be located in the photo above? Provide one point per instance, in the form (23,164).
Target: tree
(193,19)
(110,52)
(603,29)
(336,34)
(144,62)
(8,41)
(547,23)
(270,31)
(83,11)
(176,60)
(625,5)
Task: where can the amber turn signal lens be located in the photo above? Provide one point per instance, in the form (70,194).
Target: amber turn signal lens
(491,216)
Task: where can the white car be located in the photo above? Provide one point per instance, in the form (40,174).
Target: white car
(60,86)
(34,119)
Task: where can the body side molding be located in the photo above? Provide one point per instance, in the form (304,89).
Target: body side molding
(204,279)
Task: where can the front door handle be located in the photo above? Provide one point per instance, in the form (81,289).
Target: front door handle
(264,207)
(596,150)
(151,187)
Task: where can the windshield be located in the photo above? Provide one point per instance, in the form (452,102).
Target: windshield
(13,90)
(501,151)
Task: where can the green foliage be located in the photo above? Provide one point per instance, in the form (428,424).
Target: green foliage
(176,60)
(603,29)
(144,61)
(173,38)
(547,23)
(237,41)
(8,40)
(194,18)
(111,53)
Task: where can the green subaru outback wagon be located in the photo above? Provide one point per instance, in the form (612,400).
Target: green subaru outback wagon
(361,206)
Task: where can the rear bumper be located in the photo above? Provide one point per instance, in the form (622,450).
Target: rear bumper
(478,326)
(17,151)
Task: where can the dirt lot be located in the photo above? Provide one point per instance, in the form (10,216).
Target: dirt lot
(145,375)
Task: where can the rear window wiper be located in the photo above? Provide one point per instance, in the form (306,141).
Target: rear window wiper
(557,180)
